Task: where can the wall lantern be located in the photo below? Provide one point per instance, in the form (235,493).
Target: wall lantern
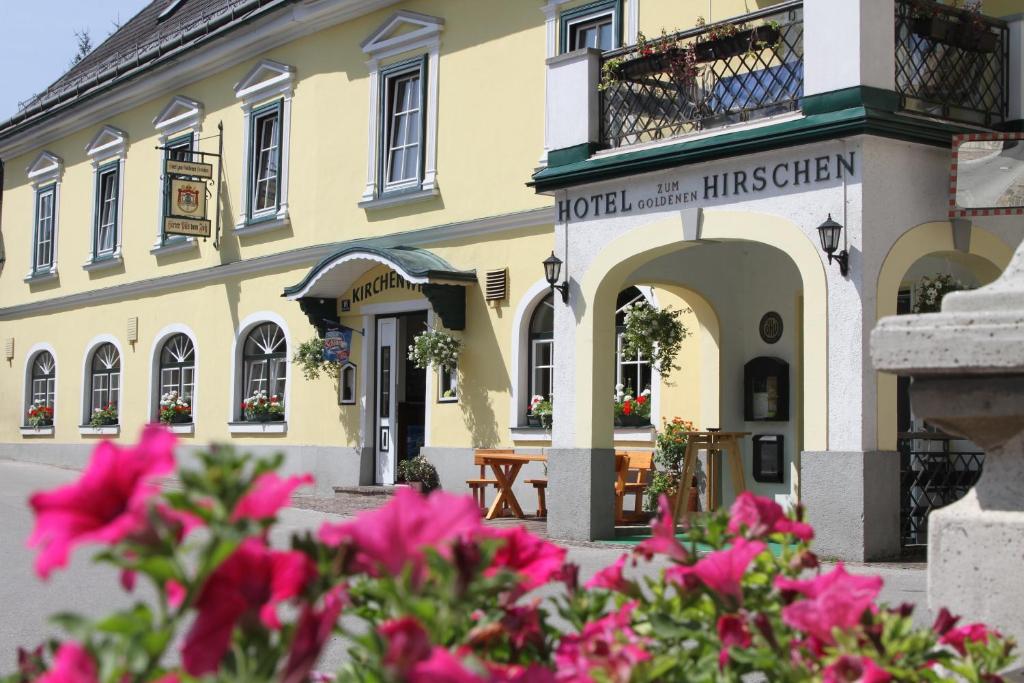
(829,232)
(552,271)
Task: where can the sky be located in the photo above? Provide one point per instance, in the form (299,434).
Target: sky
(37,41)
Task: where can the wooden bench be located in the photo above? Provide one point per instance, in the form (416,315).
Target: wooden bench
(632,476)
(541,487)
(479,486)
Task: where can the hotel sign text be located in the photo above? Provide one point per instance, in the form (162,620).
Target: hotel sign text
(780,176)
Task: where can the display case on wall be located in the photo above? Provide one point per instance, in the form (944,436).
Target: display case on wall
(766,390)
(769,458)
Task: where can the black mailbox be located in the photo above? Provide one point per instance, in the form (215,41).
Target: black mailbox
(766,390)
(769,458)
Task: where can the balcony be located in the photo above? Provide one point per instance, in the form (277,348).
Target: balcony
(716,75)
(951,63)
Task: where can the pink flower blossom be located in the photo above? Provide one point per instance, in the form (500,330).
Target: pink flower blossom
(610,577)
(762,516)
(269,493)
(957,638)
(514,673)
(535,559)
(407,644)
(834,600)
(393,536)
(521,623)
(663,535)
(72,664)
(311,633)
(175,593)
(608,645)
(441,667)
(252,582)
(721,571)
(851,669)
(733,632)
(107,503)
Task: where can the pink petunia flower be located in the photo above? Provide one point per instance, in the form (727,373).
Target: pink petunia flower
(393,536)
(533,558)
(269,493)
(733,632)
(834,600)
(721,571)
(407,644)
(72,664)
(175,593)
(441,667)
(521,623)
(108,502)
(957,638)
(608,645)
(311,633)
(762,516)
(514,673)
(663,536)
(252,582)
(611,578)
(851,669)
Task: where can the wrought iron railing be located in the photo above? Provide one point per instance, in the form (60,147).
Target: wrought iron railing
(951,63)
(715,75)
(935,470)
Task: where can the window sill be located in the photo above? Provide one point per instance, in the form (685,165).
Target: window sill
(258,427)
(103,263)
(89,430)
(184,428)
(174,246)
(448,399)
(41,275)
(37,431)
(256,226)
(399,198)
(621,434)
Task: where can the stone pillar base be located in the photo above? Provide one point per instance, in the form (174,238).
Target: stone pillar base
(581,493)
(853,502)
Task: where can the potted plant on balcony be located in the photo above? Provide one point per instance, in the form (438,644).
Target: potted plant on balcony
(262,408)
(727,40)
(39,414)
(666,54)
(964,28)
(632,410)
(104,417)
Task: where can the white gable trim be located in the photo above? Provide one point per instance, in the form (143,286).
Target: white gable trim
(109,142)
(181,113)
(426,28)
(46,167)
(265,80)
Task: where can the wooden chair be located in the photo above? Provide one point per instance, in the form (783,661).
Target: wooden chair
(632,476)
(479,486)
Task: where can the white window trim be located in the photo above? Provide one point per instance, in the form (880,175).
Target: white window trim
(266,81)
(179,115)
(109,144)
(153,400)
(26,387)
(235,396)
(86,406)
(384,48)
(46,169)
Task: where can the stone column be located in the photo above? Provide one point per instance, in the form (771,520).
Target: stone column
(967,363)
(849,43)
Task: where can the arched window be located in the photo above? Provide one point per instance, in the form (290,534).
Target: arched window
(542,348)
(265,361)
(632,372)
(43,380)
(105,378)
(178,367)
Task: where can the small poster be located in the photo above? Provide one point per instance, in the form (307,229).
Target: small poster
(337,343)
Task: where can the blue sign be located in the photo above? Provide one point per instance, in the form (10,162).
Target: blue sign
(337,343)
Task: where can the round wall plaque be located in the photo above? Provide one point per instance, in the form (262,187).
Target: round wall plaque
(771,327)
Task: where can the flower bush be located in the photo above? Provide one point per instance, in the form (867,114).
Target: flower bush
(174,409)
(39,414)
(542,409)
(632,409)
(420,470)
(430,593)
(930,291)
(654,333)
(103,417)
(670,448)
(435,348)
(262,408)
(309,356)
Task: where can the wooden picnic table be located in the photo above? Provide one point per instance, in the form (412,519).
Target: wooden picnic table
(505,467)
(712,442)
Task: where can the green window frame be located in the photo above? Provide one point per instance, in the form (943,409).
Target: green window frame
(272,111)
(179,148)
(389,77)
(106,211)
(583,14)
(42,193)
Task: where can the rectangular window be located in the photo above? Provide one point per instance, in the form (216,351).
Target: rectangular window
(44,390)
(633,372)
(107,189)
(178,149)
(403,126)
(45,207)
(542,381)
(596,25)
(448,385)
(265,160)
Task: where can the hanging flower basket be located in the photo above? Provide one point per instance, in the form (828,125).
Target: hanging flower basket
(741,42)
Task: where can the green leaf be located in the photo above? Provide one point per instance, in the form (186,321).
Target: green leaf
(137,620)
(160,568)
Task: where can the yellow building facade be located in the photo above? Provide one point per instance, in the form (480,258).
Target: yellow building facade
(383,167)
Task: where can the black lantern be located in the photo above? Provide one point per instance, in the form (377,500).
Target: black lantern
(552,271)
(830,232)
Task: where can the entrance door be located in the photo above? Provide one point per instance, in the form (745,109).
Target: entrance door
(386,422)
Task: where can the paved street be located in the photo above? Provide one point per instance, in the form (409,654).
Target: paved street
(92,590)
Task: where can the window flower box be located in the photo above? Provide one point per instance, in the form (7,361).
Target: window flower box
(738,43)
(967,35)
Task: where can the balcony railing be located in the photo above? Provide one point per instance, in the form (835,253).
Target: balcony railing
(935,470)
(715,75)
(951,63)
